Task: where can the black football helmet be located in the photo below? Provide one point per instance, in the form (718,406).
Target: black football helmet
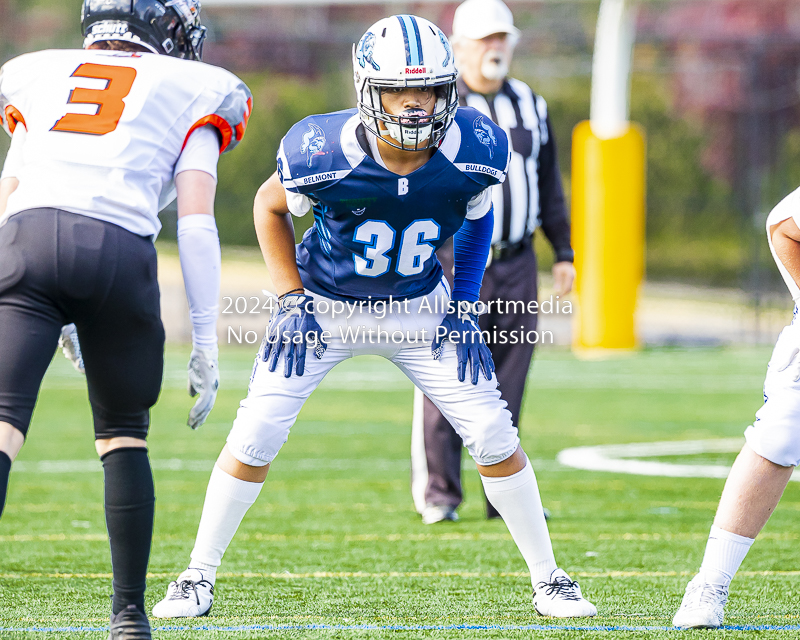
(169,27)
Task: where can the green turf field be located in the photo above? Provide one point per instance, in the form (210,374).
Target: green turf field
(334,542)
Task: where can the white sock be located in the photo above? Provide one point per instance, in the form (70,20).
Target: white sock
(517,500)
(227,500)
(725,552)
(209,571)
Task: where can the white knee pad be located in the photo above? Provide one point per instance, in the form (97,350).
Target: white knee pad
(775,435)
(485,458)
(255,439)
(479,415)
(496,441)
(245,458)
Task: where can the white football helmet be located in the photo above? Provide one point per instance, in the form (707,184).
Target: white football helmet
(405,51)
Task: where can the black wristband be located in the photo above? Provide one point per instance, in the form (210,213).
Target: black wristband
(299,289)
(565,255)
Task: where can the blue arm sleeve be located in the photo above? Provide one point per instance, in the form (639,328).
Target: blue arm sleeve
(471,246)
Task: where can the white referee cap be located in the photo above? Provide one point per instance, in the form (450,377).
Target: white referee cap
(476,19)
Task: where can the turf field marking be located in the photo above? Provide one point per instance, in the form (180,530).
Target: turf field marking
(176,464)
(616,458)
(384,377)
(93,465)
(328,575)
(398,537)
(402,627)
(55,537)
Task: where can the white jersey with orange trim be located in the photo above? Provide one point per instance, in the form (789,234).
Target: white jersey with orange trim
(105,129)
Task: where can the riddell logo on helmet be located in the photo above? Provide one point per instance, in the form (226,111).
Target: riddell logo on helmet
(410,71)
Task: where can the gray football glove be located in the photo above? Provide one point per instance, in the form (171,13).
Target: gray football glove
(68,341)
(203,382)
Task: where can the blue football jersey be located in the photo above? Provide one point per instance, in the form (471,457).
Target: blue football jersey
(375,232)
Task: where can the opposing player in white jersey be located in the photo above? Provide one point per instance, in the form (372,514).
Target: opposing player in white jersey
(763,468)
(102,139)
(388,183)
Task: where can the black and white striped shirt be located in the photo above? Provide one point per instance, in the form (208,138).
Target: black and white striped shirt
(532,195)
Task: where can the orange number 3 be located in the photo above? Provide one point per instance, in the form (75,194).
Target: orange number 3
(109,101)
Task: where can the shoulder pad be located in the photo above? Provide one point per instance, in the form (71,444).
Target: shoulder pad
(15,75)
(484,151)
(310,156)
(24,62)
(231,116)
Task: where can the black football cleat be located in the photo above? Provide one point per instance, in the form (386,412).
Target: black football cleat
(129,624)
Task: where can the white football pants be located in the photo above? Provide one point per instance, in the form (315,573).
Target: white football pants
(273,401)
(775,435)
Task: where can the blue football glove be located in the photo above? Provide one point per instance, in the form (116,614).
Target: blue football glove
(470,348)
(291,330)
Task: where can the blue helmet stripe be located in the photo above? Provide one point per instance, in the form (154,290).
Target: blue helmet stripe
(405,38)
(419,40)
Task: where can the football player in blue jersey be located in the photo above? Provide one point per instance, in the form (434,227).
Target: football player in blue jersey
(387,183)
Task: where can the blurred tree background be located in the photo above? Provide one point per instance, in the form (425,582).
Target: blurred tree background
(703,225)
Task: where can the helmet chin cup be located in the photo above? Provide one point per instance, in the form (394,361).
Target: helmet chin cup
(411,128)
(409,137)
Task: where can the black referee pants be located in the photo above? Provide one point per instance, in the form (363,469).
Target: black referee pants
(58,268)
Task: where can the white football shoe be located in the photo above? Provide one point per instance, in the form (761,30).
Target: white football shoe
(561,597)
(434,513)
(703,605)
(190,596)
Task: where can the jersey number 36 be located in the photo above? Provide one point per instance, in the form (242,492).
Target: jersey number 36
(109,101)
(380,237)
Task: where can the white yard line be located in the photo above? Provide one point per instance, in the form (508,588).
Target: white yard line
(622,458)
(397,537)
(374,376)
(397,574)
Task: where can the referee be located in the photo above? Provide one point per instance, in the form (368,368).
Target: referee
(532,197)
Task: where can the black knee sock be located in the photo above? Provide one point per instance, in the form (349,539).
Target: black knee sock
(5,469)
(130,504)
